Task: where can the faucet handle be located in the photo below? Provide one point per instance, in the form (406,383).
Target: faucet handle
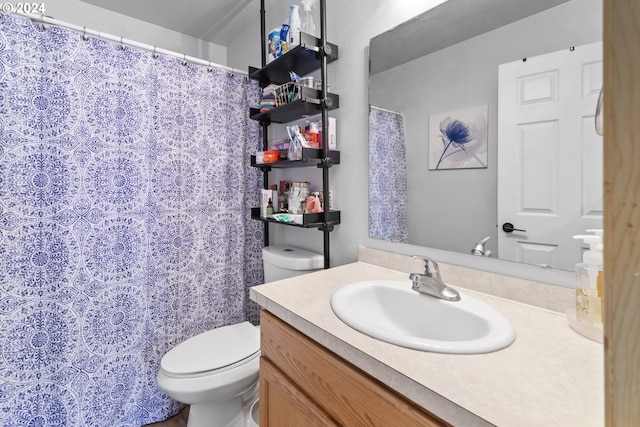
(431,268)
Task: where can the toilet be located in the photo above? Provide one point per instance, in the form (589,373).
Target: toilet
(284,261)
(216,372)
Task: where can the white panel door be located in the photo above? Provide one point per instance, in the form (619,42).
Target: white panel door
(549,155)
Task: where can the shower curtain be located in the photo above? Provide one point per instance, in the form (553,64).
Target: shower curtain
(124,221)
(387,176)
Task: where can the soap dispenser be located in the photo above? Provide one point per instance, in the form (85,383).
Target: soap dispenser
(589,277)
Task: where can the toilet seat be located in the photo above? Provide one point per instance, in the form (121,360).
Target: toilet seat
(214,351)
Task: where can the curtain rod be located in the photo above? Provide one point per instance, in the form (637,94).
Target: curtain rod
(41,19)
(373,107)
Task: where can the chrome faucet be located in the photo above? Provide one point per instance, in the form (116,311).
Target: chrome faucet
(431,283)
(479,248)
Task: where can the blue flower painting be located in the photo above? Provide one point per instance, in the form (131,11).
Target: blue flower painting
(458,139)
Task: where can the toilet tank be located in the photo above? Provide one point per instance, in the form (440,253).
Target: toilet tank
(284,261)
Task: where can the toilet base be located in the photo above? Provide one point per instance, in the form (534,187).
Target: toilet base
(218,414)
(229,413)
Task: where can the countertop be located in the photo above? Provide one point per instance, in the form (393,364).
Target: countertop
(550,375)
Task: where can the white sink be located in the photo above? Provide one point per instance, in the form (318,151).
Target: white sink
(391,311)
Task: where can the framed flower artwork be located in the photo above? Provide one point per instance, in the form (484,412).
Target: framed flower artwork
(458,139)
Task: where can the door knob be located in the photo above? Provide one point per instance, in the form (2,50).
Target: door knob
(507,227)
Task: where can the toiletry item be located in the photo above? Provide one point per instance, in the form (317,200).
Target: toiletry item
(298,193)
(294,76)
(294,26)
(331,133)
(283,217)
(269,208)
(274,48)
(315,135)
(265,196)
(589,277)
(260,157)
(284,38)
(296,143)
(308,25)
(307,129)
(330,204)
(271,156)
(283,196)
(331,136)
(306,81)
(313,203)
(268,100)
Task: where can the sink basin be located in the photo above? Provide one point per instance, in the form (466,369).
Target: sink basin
(392,312)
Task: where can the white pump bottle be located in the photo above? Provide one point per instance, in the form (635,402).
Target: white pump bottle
(294,26)
(589,274)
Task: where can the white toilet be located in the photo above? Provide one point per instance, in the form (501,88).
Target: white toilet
(284,261)
(216,372)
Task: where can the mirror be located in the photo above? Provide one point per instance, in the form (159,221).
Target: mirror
(469,75)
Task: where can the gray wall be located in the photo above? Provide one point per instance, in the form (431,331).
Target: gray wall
(453,209)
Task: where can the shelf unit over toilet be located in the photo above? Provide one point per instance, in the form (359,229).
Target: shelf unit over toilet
(312,54)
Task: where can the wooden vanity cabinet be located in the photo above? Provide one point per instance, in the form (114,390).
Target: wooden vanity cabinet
(304,384)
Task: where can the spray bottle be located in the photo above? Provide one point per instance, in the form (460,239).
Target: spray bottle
(589,276)
(294,26)
(308,25)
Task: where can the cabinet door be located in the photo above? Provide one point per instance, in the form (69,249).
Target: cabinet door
(282,404)
(349,396)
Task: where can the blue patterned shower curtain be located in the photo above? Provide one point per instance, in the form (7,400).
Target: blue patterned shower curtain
(125,224)
(387,176)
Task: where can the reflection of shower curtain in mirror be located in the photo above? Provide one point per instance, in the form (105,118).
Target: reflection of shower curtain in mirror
(387,176)
(124,222)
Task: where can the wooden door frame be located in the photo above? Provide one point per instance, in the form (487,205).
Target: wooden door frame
(622,211)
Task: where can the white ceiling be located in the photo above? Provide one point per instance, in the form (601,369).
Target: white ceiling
(217,21)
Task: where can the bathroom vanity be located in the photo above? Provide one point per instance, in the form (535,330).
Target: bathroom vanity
(316,370)
(304,384)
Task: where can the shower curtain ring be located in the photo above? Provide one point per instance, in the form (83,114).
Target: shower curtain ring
(121,43)
(209,68)
(85,37)
(184,59)
(41,24)
(154,55)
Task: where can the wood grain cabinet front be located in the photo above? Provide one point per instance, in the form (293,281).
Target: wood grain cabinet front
(304,384)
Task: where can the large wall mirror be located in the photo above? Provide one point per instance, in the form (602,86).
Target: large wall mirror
(481,129)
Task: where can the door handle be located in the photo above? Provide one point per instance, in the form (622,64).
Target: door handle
(507,227)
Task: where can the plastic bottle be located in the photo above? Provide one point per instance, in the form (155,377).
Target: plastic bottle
(294,26)
(589,277)
(307,130)
(315,138)
(308,24)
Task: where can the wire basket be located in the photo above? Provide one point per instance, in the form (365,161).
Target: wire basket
(285,93)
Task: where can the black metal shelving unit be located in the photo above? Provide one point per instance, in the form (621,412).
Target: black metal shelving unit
(312,54)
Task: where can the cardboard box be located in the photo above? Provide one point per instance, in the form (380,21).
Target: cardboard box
(331,136)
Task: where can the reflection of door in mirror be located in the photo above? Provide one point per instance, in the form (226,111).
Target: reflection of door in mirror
(541,186)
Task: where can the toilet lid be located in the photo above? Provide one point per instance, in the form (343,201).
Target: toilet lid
(213,350)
